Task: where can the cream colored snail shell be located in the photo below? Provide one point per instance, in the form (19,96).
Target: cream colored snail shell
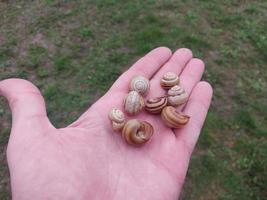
(137,132)
(177,96)
(133,103)
(117,126)
(169,80)
(172,118)
(155,105)
(140,84)
(118,119)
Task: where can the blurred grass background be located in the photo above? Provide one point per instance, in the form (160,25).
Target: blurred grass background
(74,50)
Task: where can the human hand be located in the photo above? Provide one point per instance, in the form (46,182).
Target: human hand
(87,159)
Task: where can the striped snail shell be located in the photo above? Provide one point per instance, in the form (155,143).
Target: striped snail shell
(155,105)
(173,118)
(177,96)
(133,103)
(137,132)
(169,80)
(117,118)
(140,84)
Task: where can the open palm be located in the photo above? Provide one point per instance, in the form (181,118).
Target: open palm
(87,160)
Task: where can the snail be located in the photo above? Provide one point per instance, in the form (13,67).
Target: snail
(169,80)
(133,103)
(137,132)
(155,105)
(117,118)
(177,96)
(140,84)
(172,118)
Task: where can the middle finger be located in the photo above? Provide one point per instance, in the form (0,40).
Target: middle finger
(176,64)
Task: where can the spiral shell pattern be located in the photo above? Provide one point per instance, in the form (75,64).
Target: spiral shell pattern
(140,84)
(177,96)
(172,118)
(169,80)
(155,105)
(133,103)
(137,132)
(116,115)
(117,118)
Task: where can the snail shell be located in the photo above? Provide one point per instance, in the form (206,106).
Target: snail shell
(133,103)
(177,96)
(117,118)
(169,80)
(137,132)
(116,115)
(140,84)
(117,126)
(155,105)
(172,118)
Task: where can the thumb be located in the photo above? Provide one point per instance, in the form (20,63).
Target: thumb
(27,106)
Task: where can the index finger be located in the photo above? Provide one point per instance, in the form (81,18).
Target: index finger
(146,66)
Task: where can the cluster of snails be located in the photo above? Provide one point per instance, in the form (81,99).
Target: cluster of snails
(138,132)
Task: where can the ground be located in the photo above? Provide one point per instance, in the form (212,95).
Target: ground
(74,51)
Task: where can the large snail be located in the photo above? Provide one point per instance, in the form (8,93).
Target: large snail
(177,96)
(169,80)
(140,84)
(172,118)
(155,105)
(137,132)
(133,103)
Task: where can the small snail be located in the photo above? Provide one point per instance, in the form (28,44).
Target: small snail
(140,84)
(177,96)
(172,118)
(155,105)
(117,118)
(137,132)
(133,103)
(169,80)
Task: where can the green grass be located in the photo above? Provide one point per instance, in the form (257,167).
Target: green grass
(84,47)
(62,63)
(86,32)
(36,55)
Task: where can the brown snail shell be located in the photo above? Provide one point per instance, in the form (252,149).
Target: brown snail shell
(137,132)
(118,119)
(172,118)
(169,80)
(177,96)
(133,103)
(140,84)
(155,105)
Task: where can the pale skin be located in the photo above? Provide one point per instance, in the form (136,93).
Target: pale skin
(87,159)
